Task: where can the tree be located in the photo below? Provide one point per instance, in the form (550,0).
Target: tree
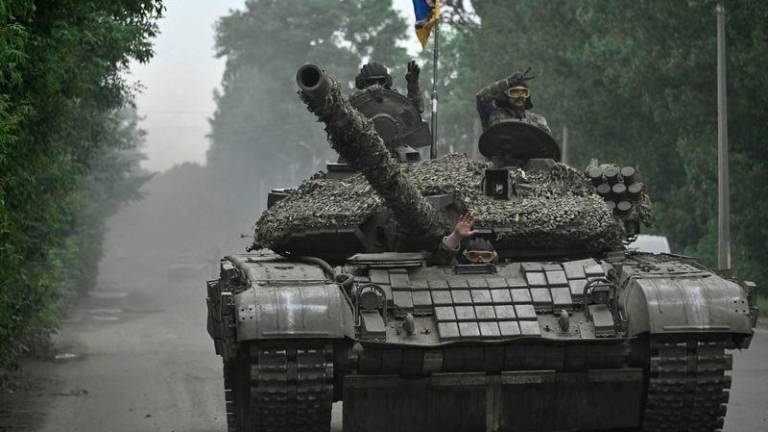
(262,136)
(64,135)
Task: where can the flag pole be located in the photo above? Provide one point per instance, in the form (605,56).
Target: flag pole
(435,48)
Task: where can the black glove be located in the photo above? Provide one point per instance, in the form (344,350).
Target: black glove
(412,76)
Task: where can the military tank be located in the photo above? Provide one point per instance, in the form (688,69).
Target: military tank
(342,297)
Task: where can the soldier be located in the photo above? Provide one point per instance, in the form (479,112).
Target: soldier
(508,98)
(462,246)
(374,73)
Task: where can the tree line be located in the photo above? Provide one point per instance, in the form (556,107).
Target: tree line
(69,146)
(633,81)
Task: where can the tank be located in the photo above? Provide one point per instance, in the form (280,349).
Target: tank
(343,297)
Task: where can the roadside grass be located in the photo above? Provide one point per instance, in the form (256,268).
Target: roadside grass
(762,303)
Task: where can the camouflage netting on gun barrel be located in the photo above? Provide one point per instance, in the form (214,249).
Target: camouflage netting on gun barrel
(558,208)
(353,136)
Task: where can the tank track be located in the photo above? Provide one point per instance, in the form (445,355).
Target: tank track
(231,395)
(688,387)
(291,387)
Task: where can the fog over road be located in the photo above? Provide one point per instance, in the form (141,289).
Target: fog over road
(143,359)
(134,354)
(144,363)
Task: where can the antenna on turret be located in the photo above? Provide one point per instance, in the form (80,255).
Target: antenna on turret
(436,56)
(723,207)
(427,17)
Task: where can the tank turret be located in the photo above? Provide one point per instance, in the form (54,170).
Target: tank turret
(353,136)
(541,208)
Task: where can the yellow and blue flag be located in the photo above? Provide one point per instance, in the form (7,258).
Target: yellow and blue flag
(427,14)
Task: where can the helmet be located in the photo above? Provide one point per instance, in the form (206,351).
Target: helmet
(373,73)
(478,251)
(518,87)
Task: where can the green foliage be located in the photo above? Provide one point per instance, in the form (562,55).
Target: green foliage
(262,136)
(635,83)
(68,144)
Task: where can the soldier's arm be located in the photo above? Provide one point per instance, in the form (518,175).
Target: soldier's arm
(445,254)
(450,244)
(492,92)
(414,95)
(412,80)
(486,99)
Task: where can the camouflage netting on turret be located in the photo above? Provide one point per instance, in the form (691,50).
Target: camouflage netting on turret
(557,210)
(354,137)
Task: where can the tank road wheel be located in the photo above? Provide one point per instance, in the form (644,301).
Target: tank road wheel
(688,386)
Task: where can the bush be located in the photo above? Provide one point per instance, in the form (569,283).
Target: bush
(68,145)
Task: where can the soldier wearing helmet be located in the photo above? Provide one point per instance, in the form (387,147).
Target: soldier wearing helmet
(463,247)
(508,98)
(376,74)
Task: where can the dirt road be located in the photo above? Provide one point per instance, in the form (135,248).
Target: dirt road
(141,361)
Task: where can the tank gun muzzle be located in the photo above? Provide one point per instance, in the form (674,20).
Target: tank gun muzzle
(313,81)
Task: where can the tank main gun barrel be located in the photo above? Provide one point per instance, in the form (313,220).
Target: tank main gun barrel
(352,135)
(313,82)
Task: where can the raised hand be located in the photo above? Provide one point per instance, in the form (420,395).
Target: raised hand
(462,230)
(464,224)
(413,72)
(519,77)
(514,78)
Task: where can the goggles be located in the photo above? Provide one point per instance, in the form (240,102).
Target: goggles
(479,257)
(380,80)
(518,92)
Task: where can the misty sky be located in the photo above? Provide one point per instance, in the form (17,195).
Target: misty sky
(178,83)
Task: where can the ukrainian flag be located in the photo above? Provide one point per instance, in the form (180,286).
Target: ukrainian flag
(427,14)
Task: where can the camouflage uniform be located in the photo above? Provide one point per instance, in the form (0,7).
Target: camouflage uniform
(444,255)
(492,107)
(413,95)
(371,72)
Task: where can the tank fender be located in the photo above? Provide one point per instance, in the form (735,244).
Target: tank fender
(696,304)
(293,311)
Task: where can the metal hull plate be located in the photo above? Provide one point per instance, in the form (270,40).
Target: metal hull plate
(543,400)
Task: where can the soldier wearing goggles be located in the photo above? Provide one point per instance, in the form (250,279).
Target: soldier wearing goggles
(460,245)
(508,98)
